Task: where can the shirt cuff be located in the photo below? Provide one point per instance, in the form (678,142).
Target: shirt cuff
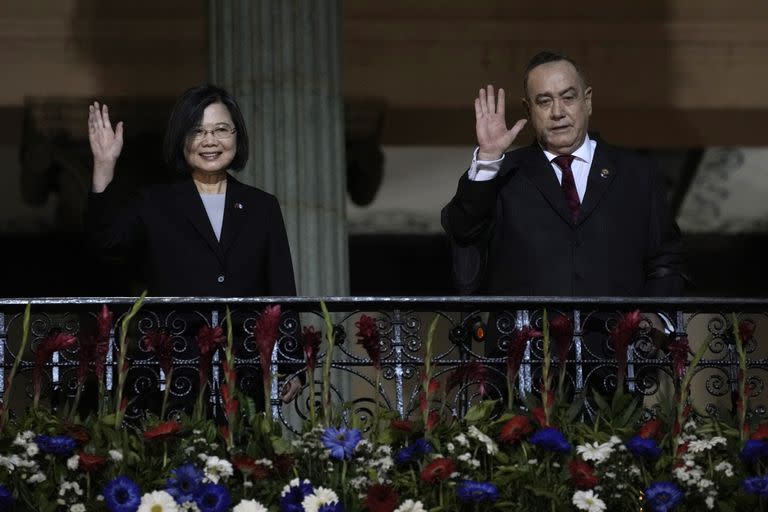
(483,170)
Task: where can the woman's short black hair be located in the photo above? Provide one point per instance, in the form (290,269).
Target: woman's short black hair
(187,114)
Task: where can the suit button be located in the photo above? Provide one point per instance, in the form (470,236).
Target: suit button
(577,276)
(577,244)
(220,279)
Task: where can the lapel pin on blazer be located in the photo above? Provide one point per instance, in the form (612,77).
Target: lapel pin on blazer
(238,206)
(605,173)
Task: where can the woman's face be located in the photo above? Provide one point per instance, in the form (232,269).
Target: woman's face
(210,147)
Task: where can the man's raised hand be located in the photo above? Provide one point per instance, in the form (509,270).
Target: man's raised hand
(106,145)
(493,137)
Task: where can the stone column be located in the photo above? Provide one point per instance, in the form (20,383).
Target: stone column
(282,61)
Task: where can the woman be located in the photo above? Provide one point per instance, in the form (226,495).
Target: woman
(207,234)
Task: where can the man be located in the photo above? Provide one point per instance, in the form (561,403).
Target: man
(569,215)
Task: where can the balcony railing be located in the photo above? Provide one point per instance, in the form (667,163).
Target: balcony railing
(469,329)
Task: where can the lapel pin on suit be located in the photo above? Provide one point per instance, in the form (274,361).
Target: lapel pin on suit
(238,206)
(605,173)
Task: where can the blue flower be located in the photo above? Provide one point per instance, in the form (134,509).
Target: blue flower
(753,450)
(212,498)
(56,445)
(188,478)
(121,494)
(6,498)
(645,448)
(341,441)
(331,507)
(756,485)
(413,451)
(550,439)
(293,494)
(663,496)
(477,492)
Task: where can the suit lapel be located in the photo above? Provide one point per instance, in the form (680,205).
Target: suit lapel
(540,172)
(235,209)
(191,206)
(601,175)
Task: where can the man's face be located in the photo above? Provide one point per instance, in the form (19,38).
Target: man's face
(558,106)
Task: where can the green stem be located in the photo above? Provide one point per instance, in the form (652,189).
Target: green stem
(122,371)
(15,367)
(331,340)
(166,392)
(428,370)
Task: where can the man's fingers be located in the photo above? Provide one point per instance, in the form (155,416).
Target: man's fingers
(491,99)
(478,110)
(119,130)
(483,104)
(107,123)
(518,126)
(500,105)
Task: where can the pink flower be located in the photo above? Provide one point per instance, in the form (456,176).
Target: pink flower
(368,337)
(678,349)
(266,332)
(159,342)
(561,328)
(209,339)
(621,335)
(473,371)
(56,341)
(516,348)
(310,341)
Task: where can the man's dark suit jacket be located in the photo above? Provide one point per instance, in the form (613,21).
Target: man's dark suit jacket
(185,259)
(624,243)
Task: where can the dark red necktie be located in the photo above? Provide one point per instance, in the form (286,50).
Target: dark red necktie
(569,184)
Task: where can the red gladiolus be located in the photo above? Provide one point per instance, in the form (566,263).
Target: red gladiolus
(434,385)
(678,349)
(162,431)
(283,464)
(250,468)
(56,341)
(651,429)
(540,416)
(437,470)
(230,402)
(761,434)
(160,343)
(209,339)
(266,331)
(621,335)
(473,372)
(746,330)
(514,429)
(402,425)
(433,418)
(103,328)
(77,432)
(561,329)
(381,498)
(582,474)
(90,463)
(310,341)
(516,348)
(368,337)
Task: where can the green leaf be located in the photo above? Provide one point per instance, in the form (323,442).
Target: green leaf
(480,411)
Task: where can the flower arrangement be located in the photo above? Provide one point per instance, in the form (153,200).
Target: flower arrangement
(536,455)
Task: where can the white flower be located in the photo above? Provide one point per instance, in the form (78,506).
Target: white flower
(595,451)
(116,455)
(293,483)
(249,506)
(32,449)
(37,478)
(704,484)
(410,506)
(490,444)
(450,447)
(710,502)
(188,506)
(216,468)
(462,440)
(725,467)
(157,501)
(533,461)
(322,496)
(77,507)
(73,462)
(706,444)
(588,500)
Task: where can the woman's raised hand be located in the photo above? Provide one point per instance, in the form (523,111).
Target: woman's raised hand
(106,145)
